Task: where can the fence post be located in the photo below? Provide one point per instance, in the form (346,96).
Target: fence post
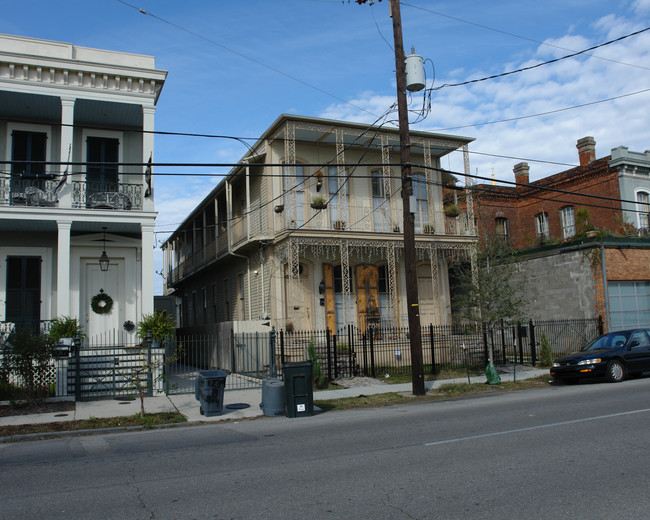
(365,354)
(372,355)
(601,325)
(433,350)
(233,359)
(282,348)
(273,368)
(336,361)
(350,347)
(503,343)
(149,373)
(520,343)
(533,345)
(486,351)
(77,370)
(329,354)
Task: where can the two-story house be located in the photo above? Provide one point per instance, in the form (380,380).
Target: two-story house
(306,232)
(75,136)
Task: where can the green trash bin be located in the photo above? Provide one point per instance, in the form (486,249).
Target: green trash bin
(298,390)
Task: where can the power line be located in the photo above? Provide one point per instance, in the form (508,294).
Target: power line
(523,69)
(437,13)
(241,55)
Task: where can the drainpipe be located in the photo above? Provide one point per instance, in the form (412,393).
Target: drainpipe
(605,289)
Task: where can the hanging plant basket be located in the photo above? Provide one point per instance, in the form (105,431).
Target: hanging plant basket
(101,303)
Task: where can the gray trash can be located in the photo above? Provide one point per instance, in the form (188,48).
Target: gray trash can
(272,397)
(298,390)
(209,391)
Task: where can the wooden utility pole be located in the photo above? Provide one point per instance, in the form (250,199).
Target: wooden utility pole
(417,368)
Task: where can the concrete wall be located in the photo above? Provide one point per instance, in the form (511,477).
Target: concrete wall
(558,286)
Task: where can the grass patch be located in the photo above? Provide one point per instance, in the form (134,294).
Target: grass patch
(446,391)
(148,421)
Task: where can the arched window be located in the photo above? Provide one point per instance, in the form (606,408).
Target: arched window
(541,226)
(501,228)
(568,221)
(643,209)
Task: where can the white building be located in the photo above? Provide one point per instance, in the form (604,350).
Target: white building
(68,114)
(307,232)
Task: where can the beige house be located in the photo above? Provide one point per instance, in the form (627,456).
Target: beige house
(306,233)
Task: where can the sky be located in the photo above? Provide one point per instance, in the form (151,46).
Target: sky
(235,65)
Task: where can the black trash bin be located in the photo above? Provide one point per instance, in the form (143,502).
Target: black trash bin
(209,391)
(298,390)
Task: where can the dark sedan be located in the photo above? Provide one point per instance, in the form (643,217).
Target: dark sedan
(613,356)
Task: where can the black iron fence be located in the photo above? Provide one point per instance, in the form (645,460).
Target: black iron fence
(380,352)
(113,367)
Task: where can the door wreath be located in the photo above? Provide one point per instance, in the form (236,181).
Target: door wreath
(101,303)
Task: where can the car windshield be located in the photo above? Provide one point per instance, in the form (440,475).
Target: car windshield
(613,340)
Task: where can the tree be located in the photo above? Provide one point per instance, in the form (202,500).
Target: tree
(489,295)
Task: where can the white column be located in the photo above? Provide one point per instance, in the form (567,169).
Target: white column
(67,120)
(147,151)
(147,268)
(63,269)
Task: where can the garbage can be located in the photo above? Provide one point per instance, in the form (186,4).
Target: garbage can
(209,391)
(298,390)
(272,397)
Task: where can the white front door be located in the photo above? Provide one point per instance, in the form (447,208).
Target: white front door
(101,327)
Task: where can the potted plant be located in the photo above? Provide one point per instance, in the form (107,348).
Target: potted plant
(159,325)
(339,225)
(318,203)
(451,210)
(63,331)
(428,230)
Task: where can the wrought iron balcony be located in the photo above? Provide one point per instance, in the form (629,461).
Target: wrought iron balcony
(28,191)
(113,196)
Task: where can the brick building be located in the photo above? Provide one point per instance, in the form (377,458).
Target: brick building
(567,271)
(555,208)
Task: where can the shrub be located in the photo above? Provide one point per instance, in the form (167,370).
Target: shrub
(65,327)
(317,372)
(159,325)
(545,354)
(29,357)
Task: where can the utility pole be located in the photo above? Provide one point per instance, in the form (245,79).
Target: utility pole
(412,301)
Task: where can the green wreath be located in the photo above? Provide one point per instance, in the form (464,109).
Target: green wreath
(101,303)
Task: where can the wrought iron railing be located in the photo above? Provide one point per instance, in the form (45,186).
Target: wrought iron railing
(113,196)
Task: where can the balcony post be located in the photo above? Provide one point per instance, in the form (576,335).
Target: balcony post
(147,152)
(147,268)
(64,194)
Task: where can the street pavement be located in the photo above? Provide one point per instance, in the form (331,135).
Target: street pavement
(234,401)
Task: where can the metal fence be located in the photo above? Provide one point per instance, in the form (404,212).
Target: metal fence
(115,366)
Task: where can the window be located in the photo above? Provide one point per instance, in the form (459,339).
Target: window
(501,228)
(337,217)
(102,156)
(27,147)
(380,204)
(421,208)
(643,209)
(568,221)
(242,296)
(23,297)
(296,184)
(541,226)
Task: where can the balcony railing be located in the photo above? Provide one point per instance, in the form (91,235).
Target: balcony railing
(264,222)
(22,191)
(114,196)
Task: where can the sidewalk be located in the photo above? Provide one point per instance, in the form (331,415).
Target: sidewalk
(189,406)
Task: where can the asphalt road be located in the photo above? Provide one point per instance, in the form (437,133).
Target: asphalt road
(561,452)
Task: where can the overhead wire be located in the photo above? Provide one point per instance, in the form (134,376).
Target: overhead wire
(246,57)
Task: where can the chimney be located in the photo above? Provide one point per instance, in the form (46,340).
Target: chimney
(521,173)
(586,150)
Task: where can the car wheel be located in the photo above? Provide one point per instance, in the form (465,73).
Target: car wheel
(615,371)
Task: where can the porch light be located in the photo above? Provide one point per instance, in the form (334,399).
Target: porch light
(104,260)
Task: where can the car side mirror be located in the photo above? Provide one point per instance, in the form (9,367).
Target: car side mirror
(634,343)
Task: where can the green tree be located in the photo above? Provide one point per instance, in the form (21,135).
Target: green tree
(490,294)
(545,354)
(29,357)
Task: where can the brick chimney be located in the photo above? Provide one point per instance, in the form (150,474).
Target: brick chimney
(586,150)
(521,172)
